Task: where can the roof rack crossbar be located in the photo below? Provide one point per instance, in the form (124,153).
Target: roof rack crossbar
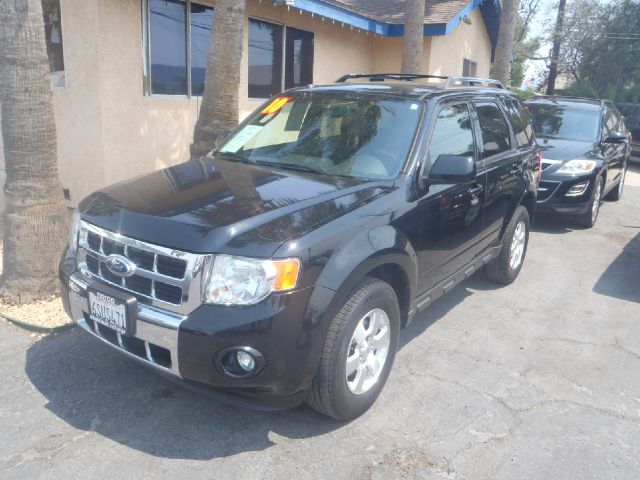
(391,76)
(473,82)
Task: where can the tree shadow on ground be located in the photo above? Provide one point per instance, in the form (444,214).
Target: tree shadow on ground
(93,388)
(621,279)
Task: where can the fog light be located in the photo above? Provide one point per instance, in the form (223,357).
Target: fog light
(245,360)
(577,190)
(239,362)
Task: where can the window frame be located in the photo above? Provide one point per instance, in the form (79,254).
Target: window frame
(471,63)
(427,162)
(519,110)
(57,77)
(512,140)
(146,49)
(283,53)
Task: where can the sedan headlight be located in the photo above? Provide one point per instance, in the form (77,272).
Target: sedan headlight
(74,230)
(578,167)
(246,281)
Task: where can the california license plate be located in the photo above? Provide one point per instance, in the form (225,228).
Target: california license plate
(108,311)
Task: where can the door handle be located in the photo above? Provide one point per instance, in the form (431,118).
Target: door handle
(475,191)
(517,168)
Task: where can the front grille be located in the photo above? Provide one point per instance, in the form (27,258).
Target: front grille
(162,275)
(546,190)
(136,346)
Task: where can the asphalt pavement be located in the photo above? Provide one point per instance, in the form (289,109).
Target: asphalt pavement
(538,380)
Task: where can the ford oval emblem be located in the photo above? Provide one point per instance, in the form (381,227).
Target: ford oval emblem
(121,266)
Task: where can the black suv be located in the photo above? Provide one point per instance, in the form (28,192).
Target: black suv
(585,148)
(282,266)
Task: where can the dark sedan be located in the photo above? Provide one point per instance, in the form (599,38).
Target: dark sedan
(585,148)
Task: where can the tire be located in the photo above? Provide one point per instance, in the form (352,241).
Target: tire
(501,269)
(588,219)
(616,194)
(331,392)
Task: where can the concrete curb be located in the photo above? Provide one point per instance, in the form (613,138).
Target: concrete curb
(36,328)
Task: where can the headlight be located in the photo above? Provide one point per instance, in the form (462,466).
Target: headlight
(75,229)
(246,281)
(578,167)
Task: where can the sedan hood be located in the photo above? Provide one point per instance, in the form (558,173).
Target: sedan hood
(218,206)
(556,149)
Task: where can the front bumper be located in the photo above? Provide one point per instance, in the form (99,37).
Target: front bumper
(552,194)
(185,347)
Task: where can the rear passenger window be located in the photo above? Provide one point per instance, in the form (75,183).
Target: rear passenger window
(495,131)
(452,133)
(521,123)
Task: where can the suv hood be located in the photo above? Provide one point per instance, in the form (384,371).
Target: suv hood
(557,149)
(218,206)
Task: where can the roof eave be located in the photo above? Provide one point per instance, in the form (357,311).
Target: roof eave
(490,10)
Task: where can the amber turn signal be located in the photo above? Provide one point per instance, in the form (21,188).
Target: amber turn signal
(286,274)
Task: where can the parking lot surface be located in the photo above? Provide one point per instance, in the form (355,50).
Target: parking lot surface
(538,380)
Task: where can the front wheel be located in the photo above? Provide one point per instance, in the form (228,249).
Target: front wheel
(507,265)
(588,219)
(358,353)
(616,193)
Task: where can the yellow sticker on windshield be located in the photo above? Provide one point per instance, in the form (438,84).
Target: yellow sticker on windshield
(276,105)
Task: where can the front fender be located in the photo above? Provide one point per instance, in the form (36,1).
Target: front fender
(349,264)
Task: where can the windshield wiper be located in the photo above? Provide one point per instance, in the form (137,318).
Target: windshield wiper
(236,157)
(293,166)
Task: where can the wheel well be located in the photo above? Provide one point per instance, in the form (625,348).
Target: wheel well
(395,276)
(529,202)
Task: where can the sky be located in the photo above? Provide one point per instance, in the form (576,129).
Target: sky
(545,17)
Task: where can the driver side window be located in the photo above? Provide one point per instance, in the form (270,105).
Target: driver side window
(452,133)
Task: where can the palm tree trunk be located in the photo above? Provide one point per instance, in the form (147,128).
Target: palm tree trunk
(555,52)
(413,36)
(35,222)
(504,47)
(219,110)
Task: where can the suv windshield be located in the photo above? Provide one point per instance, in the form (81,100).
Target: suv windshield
(554,121)
(337,134)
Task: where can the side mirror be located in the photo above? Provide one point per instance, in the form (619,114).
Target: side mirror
(615,137)
(452,169)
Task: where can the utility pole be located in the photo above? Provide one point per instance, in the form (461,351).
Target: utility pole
(555,52)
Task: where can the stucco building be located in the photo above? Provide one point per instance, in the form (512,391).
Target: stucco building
(127,74)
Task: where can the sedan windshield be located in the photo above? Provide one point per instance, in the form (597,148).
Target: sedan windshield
(335,134)
(553,121)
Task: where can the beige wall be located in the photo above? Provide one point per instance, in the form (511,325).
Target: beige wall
(465,41)
(108,130)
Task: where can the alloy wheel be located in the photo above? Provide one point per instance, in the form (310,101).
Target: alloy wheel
(595,208)
(621,184)
(368,351)
(516,252)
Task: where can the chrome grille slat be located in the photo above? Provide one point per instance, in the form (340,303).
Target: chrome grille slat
(181,293)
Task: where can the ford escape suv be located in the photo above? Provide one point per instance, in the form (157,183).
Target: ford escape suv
(281,267)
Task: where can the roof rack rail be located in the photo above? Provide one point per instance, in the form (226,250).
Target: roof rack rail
(473,82)
(380,77)
(452,82)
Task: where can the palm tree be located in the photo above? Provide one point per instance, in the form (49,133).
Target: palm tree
(504,47)
(219,110)
(413,36)
(35,220)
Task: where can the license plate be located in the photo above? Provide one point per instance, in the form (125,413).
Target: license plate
(108,311)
